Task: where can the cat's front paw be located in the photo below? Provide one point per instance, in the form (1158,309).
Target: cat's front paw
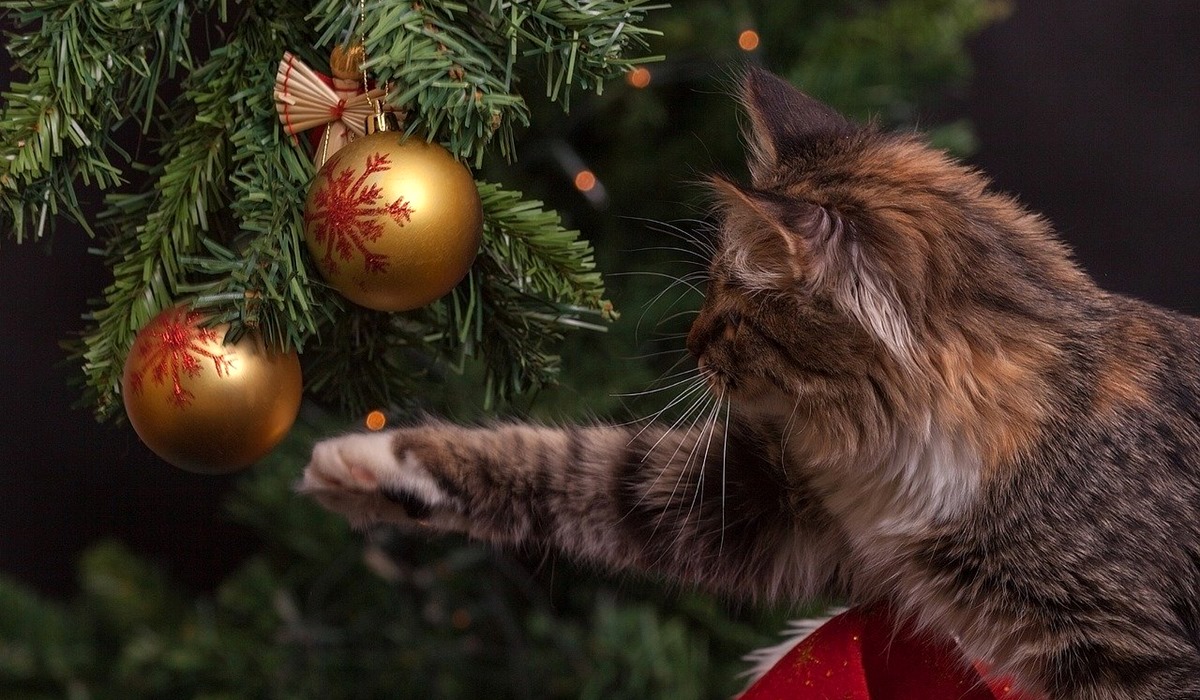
(361,477)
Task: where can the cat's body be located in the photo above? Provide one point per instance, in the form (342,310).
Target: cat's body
(929,405)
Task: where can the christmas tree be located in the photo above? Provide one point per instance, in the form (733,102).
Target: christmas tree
(215,213)
(209,209)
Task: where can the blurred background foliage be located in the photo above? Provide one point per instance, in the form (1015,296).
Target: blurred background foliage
(322,612)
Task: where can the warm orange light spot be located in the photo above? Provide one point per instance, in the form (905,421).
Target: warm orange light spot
(585,180)
(638,77)
(461,619)
(748,40)
(376,420)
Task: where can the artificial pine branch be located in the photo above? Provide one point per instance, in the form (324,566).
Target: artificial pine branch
(453,64)
(367,359)
(90,67)
(535,252)
(154,229)
(264,283)
(532,281)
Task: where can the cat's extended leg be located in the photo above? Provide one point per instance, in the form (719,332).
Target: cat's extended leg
(703,506)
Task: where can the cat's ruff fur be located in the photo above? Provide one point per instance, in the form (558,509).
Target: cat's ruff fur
(928,404)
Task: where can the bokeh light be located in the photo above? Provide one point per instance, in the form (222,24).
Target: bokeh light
(638,77)
(748,40)
(376,420)
(585,180)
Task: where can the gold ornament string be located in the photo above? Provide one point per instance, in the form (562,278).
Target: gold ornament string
(362,38)
(376,122)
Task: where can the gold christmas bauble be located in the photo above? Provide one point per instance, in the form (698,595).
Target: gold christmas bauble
(205,406)
(393,223)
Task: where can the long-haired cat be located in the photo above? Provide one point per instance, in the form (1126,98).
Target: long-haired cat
(930,405)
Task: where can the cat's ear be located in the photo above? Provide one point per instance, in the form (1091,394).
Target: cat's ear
(783,120)
(776,242)
(781,244)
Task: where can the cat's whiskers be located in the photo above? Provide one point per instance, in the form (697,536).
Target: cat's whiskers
(701,259)
(698,252)
(705,244)
(685,280)
(700,404)
(670,369)
(685,393)
(725,454)
(677,314)
(660,353)
(676,363)
(702,380)
(703,398)
(697,409)
(690,237)
(702,462)
(683,471)
(694,276)
(688,375)
(673,336)
(667,374)
(692,461)
(711,411)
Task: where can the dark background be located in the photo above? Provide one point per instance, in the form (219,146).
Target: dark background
(1088,110)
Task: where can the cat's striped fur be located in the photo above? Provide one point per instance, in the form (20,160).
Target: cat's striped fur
(929,404)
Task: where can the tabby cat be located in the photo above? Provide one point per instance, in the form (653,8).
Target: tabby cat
(930,405)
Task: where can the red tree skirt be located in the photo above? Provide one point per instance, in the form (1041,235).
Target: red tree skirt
(862,655)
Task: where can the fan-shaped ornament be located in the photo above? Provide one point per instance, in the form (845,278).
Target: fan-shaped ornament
(335,108)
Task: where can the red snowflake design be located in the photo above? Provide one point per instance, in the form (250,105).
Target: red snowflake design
(173,346)
(347,212)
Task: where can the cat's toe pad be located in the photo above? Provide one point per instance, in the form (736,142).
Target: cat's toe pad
(349,462)
(361,477)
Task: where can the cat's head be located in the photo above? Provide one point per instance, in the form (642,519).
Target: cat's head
(861,268)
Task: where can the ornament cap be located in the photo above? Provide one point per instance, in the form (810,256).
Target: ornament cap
(381,120)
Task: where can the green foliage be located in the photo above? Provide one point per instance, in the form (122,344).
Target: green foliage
(533,280)
(889,56)
(90,67)
(529,258)
(153,234)
(39,647)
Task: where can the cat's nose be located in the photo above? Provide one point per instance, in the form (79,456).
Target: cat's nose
(698,334)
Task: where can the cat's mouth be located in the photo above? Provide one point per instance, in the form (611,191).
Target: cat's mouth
(715,377)
(721,381)
(745,389)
